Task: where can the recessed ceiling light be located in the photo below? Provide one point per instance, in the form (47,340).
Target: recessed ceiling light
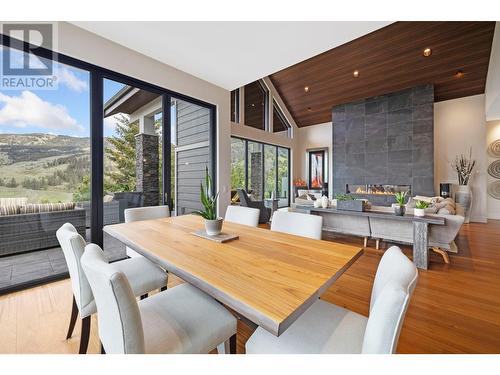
(306,88)
(355,74)
(427,52)
(459,74)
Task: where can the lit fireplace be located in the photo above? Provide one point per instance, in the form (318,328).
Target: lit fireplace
(370,189)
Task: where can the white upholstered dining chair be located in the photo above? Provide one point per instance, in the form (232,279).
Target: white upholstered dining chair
(327,328)
(181,319)
(144,277)
(144,213)
(304,225)
(243,215)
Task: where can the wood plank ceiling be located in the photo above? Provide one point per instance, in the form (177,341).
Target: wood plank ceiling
(388,60)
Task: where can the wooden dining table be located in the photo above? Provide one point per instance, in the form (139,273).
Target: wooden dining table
(266,277)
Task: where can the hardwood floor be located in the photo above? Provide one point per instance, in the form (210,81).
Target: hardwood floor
(455,308)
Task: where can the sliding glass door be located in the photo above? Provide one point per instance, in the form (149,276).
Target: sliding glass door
(85,149)
(44,168)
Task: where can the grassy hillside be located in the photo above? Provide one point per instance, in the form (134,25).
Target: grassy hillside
(42,167)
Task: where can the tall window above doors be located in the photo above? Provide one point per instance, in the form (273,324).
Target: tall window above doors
(256,105)
(280,123)
(235,105)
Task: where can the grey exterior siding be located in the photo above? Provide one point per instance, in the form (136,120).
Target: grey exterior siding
(192,154)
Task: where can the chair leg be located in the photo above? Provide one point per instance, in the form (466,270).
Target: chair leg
(232,344)
(144,296)
(228,346)
(365,242)
(102,349)
(163,288)
(443,253)
(377,244)
(72,320)
(84,339)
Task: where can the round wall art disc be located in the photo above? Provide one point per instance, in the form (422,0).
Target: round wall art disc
(494,189)
(494,169)
(494,149)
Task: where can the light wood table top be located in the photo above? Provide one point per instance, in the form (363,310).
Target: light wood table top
(268,277)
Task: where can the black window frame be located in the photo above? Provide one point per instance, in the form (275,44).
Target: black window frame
(282,117)
(97,76)
(277,147)
(266,114)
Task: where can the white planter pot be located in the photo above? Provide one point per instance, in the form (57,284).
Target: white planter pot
(213,227)
(463,196)
(324,202)
(419,212)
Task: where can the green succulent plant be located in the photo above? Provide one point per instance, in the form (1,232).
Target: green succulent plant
(400,197)
(343,197)
(421,204)
(208,199)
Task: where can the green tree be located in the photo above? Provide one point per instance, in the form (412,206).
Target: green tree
(121,153)
(82,191)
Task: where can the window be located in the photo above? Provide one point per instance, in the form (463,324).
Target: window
(261,169)
(283,190)
(256,105)
(235,105)
(237,164)
(44,169)
(269,171)
(98,142)
(280,124)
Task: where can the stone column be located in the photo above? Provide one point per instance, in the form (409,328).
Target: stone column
(256,170)
(147,164)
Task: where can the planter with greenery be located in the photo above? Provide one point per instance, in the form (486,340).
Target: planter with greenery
(420,207)
(348,203)
(400,208)
(213,224)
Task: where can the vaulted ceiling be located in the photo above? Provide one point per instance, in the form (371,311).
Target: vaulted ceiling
(388,60)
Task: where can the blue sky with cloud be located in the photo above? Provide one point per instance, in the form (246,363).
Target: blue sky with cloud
(64,111)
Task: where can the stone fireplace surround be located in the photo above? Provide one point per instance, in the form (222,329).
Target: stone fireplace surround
(388,139)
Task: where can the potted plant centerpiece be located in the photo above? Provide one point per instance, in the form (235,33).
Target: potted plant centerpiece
(400,208)
(420,207)
(213,224)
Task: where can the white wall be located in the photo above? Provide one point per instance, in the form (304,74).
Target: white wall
(89,47)
(492,91)
(315,136)
(458,125)
(492,134)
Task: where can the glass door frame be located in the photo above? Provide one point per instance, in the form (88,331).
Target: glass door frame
(97,76)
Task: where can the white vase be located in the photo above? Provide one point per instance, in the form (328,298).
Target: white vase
(324,202)
(420,212)
(463,196)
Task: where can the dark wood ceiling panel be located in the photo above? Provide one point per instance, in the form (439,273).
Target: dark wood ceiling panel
(388,60)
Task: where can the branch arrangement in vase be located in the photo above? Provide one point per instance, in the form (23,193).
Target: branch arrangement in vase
(463,166)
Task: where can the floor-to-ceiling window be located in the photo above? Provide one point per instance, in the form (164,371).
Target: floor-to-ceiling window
(88,148)
(44,165)
(261,169)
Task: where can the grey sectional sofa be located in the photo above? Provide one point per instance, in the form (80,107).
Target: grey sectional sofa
(27,232)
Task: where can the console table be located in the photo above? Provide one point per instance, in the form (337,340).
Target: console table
(420,227)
